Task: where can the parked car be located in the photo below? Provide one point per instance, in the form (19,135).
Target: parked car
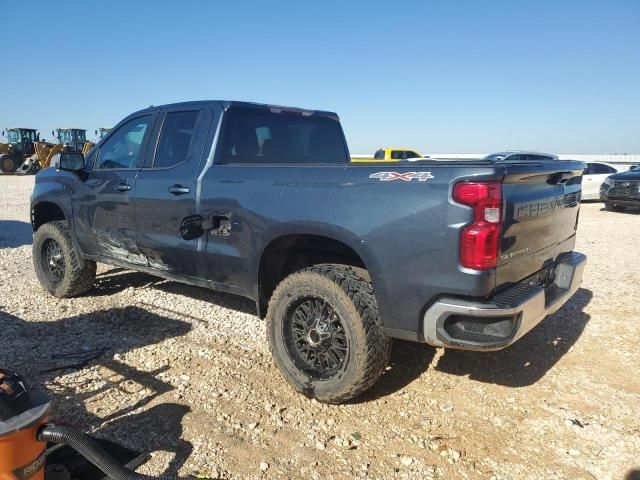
(519,155)
(389,154)
(594,176)
(262,201)
(621,191)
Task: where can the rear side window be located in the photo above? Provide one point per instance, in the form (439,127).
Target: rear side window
(262,136)
(541,157)
(175,138)
(397,155)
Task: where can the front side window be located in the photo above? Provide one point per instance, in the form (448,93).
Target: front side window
(265,136)
(412,154)
(600,169)
(175,138)
(379,155)
(29,135)
(122,149)
(397,155)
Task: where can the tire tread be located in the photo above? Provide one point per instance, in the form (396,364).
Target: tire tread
(360,291)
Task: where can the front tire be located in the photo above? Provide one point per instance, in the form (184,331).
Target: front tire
(8,164)
(57,266)
(614,208)
(325,333)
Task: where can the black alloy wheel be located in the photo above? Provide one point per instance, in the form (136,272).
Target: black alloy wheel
(315,337)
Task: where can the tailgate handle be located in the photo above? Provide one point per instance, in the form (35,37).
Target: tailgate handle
(560,177)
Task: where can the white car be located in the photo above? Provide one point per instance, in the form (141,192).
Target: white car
(593,177)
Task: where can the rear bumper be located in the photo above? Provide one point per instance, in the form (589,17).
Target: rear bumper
(499,322)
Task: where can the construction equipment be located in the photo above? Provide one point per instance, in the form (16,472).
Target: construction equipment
(100,133)
(19,147)
(72,139)
(68,140)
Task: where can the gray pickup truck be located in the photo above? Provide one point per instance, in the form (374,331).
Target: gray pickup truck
(262,201)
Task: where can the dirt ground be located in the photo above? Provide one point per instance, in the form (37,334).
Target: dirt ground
(185,373)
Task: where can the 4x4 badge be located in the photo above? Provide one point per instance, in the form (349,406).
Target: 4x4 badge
(406,176)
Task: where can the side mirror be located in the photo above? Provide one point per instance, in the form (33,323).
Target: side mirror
(71,161)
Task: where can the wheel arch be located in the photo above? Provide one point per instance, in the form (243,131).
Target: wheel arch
(45,212)
(293,249)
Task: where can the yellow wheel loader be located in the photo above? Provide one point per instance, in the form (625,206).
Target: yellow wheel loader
(100,133)
(19,148)
(68,140)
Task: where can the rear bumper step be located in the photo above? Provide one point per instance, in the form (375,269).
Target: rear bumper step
(499,322)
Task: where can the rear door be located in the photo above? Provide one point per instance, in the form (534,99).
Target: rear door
(541,206)
(104,218)
(166,189)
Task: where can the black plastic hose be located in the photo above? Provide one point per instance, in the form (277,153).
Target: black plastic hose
(90,450)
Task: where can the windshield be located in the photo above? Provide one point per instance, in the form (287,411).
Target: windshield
(70,136)
(65,136)
(13,136)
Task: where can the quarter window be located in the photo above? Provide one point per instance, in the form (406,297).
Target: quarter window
(175,138)
(122,149)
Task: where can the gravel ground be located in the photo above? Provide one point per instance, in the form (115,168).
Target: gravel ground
(186,375)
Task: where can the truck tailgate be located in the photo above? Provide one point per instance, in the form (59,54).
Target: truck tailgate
(541,207)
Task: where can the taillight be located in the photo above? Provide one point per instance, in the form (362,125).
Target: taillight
(479,242)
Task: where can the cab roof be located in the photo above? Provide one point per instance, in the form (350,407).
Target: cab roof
(227,104)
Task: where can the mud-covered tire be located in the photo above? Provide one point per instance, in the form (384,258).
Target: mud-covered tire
(351,297)
(65,275)
(614,208)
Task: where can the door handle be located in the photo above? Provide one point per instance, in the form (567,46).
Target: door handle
(123,187)
(178,189)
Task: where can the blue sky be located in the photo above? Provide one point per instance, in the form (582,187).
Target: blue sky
(438,76)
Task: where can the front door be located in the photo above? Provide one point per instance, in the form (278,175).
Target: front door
(104,218)
(595,176)
(165,195)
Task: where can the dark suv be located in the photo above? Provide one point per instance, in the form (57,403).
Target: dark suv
(622,190)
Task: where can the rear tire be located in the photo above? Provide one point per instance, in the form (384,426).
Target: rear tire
(614,208)
(325,333)
(57,266)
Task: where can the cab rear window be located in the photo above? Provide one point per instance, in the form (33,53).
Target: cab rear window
(262,136)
